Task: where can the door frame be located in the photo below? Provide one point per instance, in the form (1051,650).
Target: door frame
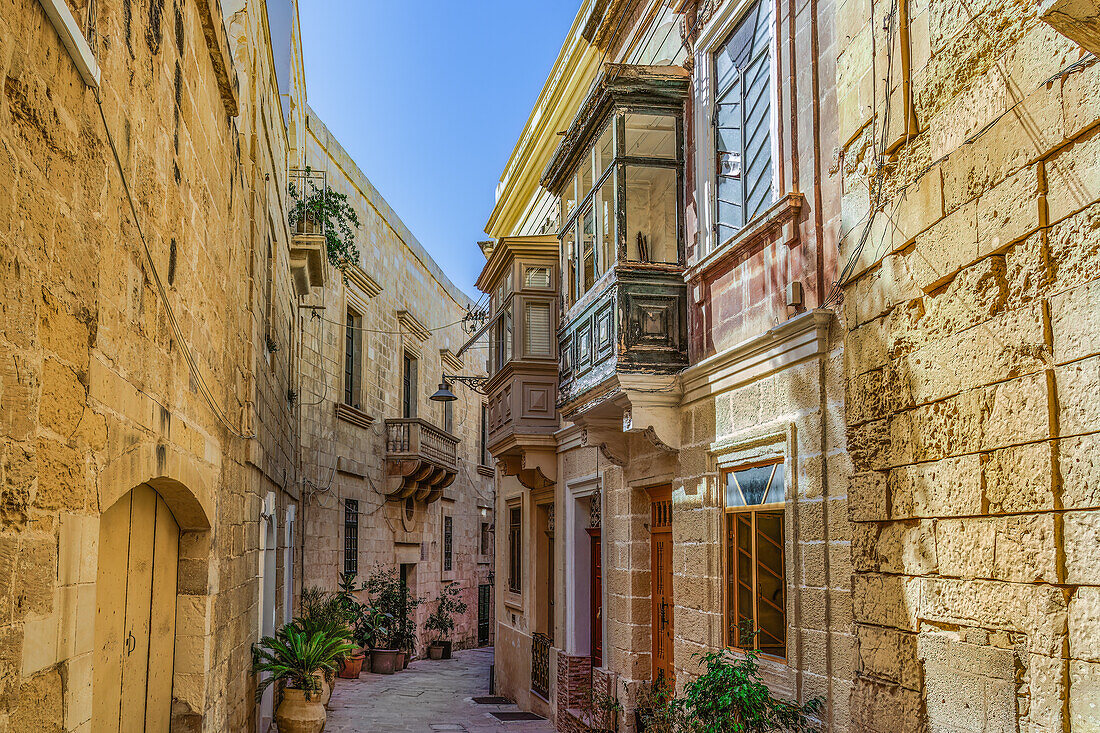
(660,524)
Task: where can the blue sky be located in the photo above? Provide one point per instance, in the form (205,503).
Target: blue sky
(429,99)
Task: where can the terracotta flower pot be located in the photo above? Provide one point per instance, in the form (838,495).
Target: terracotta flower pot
(446,648)
(383,661)
(300,712)
(326,688)
(352,666)
(435,650)
(402,660)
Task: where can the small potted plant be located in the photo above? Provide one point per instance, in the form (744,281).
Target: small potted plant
(655,709)
(405,640)
(297,660)
(390,595)
(372,630)
(442,620)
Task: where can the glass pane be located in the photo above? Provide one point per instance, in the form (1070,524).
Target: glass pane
(743,565)
(651,215)
(770,598)
(731,579)
(536,277)
(568,264)
(507,320)
(605,148)
(777,490)
(588,249)
(754,483)
(605,215)
(568,199)
(584,176)
(536,329)
(651,136)
(733,495)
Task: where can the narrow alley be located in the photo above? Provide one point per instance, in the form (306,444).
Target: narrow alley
(431,695)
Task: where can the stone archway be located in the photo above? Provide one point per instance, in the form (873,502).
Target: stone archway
(153,590)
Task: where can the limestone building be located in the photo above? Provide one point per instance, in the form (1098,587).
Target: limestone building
(699,481)
(175,458)
(971,258)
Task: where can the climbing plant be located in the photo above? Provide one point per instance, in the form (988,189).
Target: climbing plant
(332,210)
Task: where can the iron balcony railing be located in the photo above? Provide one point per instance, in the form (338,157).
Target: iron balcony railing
(540,665)
(411,437)
(307,190)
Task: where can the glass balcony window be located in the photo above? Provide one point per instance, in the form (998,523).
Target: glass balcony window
(622,202)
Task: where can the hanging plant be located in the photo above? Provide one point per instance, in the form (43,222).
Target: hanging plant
(329,211)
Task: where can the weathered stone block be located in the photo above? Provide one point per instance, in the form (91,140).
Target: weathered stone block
(1009,211)
(1078,396)
(966,547)
(867,497)
(1084,623)
(1079,467)
(1081,537)
(949,487)
(1020,478)
(948,246)
(1075,322)
(885,600)
(1073,178)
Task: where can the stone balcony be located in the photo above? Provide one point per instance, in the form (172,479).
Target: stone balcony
(421,459)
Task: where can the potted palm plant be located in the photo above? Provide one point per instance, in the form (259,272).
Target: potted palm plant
(297,661)
(442,620)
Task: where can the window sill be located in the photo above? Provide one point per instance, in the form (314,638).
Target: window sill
(774,219)
(486,471)
(513,601)
(353,415)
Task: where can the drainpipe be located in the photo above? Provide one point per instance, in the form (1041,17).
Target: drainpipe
(73,39)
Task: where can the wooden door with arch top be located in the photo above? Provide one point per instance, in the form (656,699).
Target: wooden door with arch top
(661,582)
(135,625)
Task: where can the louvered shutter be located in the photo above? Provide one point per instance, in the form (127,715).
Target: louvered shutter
(536,329)
(742,121)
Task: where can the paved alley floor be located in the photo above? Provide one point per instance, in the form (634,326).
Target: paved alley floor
(429,696)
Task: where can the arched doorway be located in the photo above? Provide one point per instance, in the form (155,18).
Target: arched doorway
(135,614)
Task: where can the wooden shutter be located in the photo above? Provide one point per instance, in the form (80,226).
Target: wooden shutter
(742,122)
(536,329)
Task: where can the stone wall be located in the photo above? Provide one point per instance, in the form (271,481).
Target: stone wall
(971,365)
(95,396)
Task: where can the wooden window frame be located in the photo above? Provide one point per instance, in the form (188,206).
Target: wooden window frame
(351,536)
(353,357)
(730,605)
(515,549)
(448,543)
(409,385)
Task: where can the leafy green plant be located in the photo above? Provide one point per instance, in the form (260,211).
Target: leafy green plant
(292,656)
(372,627)
(448,605)
(390,595)
(731,697)
(655,708)
(603,710)
(333,210)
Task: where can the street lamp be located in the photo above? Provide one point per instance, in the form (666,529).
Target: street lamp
(444,393)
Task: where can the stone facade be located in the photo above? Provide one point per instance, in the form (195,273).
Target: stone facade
(971,365)
(194,396)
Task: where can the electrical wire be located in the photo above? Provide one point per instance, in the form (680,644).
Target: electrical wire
(192,365)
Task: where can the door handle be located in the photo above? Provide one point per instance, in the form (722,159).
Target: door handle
(130,643)
(664,612)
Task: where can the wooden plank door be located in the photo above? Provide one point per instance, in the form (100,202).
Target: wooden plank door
(135,614)
(662,600)
(597,598)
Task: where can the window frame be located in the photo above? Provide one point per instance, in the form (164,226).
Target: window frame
(483,457)
(729,605)
(515,549)
(353,357)
(448,543)
(710,42)
(351,536)
(409,385)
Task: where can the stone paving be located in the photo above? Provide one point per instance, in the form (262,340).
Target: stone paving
(429,696)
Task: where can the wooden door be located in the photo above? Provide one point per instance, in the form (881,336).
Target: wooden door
(662,600)
(135,627)
(597,598)
(484,594)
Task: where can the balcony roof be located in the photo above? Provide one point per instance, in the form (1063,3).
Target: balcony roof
(507,249)
(616,84)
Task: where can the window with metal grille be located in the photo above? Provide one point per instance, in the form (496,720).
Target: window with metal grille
(515,536)
(353,358)
(743,122)
(408,387)
(756,608)
(485,435)
(448,543)
(351,536)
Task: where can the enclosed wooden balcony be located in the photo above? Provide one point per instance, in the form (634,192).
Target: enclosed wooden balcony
(421,459)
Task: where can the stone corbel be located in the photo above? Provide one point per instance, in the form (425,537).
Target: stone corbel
(529,470)
(611,442)
(652,411)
